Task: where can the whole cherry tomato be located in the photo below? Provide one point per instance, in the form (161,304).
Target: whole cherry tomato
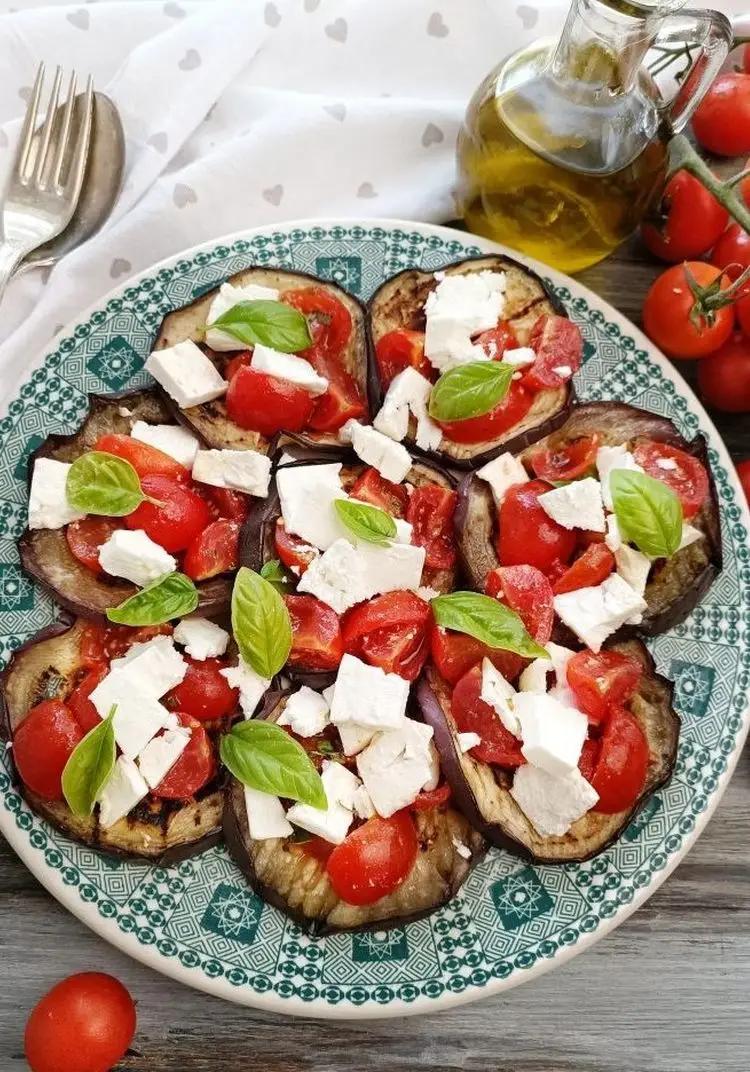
(743,472)
(692,220)
(724,377)
(722,120)
(682,324)
(732,251)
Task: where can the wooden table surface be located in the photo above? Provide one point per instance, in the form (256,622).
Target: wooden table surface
(667,992)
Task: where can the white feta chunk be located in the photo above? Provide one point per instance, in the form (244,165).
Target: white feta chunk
(391,459)
(408,392)
(265,816)
(552,734)
(552,804)
(354,738)
(154,665)
(607,460)
(563,371)
(459,307)
(368,696)
(201,638)
(124,788)
(138,714)
(241,470)
(534,677)
(332,823)
(613,539)
(131,554)
(503,473)
(307,494)
(363,805)
(228,296)
(448,344)
(186,374)
(397,765)
(426,593)
(467,741)
(519,356)
(689,535)
(404,531)
(251,685)
(288,367)
(595,613)
(161,753)
(345,575)
(48,500)
(500,695)
(633,566)
(577,505)
(461,848)
(306,713)
(171,439)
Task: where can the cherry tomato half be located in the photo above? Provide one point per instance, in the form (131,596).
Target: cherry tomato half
(692,220)
(430,512)
(507,413)
(622,766)
(213,551)
(455,653)
(566,462)
(79,703)
(86,536)
(43,744)
(266,404)
(145,459)
(371,487)
(724,377)
(602,680)
(328,319)
(589,569)
(679,470)
(527,591)
(558,344)
(204,693)
(472,715)
(527,535)
(181,514)
(195,767)
(497,340)
(374,859)
(721,122)
(317,643)
(390,631)
(432,798)
(400,349)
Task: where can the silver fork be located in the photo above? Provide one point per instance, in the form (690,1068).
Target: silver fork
(45,184)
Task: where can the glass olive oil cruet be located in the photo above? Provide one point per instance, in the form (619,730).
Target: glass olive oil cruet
(565,144)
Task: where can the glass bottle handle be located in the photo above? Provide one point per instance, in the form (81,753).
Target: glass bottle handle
(712,33)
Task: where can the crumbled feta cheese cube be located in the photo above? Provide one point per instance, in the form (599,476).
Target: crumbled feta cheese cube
(613,539)
(307,494)
(131,554)
(288,367)
(353,737)
(666,463)
(552,734)
(633,566)
(201,638)
(229,295)
(124,788)
(345,575)
(500,695)
(397,765)
(251,685)
(607,460)
(368,696)
(363,805)
(403,530)
(407,392)
(426,593)
(534,677)
(186,374)
(306,712)
(265,816)
(459,307)
(171,439)
(595,613)
(241,470)
(467,741)
(577,505)
(331,823)
(391,460)
(48,500)
(138,715)
(552,804)
(154,665)
(503,473)
(519,356)
(161,753)
(461,848)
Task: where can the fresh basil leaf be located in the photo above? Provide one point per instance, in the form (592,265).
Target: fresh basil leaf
(487,620)
(649,514)
(270,323)
(260,623)
(470,390)
(366,522)
(264,757)
(171,596)
(101,483)
(89,766)
(273,572)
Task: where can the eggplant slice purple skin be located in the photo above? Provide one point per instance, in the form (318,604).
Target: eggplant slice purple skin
(45,554)
(676,585)
(484,797)
(210,420)
(299,887)
(47,667)
(399,304)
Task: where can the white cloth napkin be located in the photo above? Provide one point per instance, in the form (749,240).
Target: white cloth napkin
(246,112)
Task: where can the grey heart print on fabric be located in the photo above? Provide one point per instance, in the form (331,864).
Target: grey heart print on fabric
(336,111)
(80,18)
(436,26)
(272,16)
(184,195)
(367,190)
(274,194)
(158,141)
(529,16)
(311,5)
(432,135)
(174,11)
(190,60)
(338,30)
(119,267)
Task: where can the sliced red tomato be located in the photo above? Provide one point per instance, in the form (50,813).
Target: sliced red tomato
(328,319)
(86,536)
(505,415)
(621,769)
(266,404)
(317,643)
(589,758)
(497,340)
(374,859)
(400,349)
(371,487)
(181,514)
(526,534)
(589,569)
(195,767)
(204,693)
(145,459)
(101,643)
(472,715)
(213,551)
(430,512)
(680,471)
(432,798)
(232,505)
(43,744)
(390,631)
(602,680)
(528,592)
(558,344)
(455,653)
(566,462)
(292,551)
(79,703)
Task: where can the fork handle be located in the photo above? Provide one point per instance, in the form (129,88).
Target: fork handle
(11,255)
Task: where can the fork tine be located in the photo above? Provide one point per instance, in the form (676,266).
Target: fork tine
(29,124)
(41,161)
(65,132)
(81,152)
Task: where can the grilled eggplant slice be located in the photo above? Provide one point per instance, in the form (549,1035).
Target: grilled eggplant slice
(399,304)
(49,667)
(299,887)
(210,420)
(676,585)
(45,554)
(483,793)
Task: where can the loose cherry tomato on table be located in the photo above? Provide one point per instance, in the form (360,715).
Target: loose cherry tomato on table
(145,459)
(602,680)
(505,414)
(497,340)
(213,551)
(400,349)
(266,404)
(526,534)
(79,703)
(680,471)
(472,715)
(721,122)
(371,487)
(455,653)
(43,744)
(724,377)
(691,220)
(558,344)
(622,766)
(317,643)
(195,767)
(204,693)
(743,472)
(86,536)
(430,512)
(83,1024)
(732,252)
(390,631)
(181,514)
(682,324)
(374,859)
(566,462)
(589,569)
(527,591)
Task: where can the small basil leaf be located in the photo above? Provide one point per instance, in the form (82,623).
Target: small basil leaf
(275,574)
(487,620)
(270,323)
(171,596)
(260,623)
(101,483)
(649,514)
(470,390)
(264,757)
(368,523)
(89,766)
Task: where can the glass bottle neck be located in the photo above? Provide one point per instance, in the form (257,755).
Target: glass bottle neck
(603,44)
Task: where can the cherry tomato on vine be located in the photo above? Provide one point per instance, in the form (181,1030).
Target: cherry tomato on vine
(684,312)
(691,220)
(722,120)
(724,377)
(732,251)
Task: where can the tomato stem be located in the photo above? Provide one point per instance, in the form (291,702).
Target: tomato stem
(683,157)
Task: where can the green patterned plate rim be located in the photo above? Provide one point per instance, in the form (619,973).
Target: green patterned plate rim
(198,922)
